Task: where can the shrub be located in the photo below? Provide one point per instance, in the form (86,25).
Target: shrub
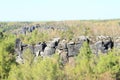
(7,58)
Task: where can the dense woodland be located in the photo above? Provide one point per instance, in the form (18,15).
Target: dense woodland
(86,65)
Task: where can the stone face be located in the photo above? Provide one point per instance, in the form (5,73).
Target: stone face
(117,45)
(18,46)
(63,52)
(62,46)
(18,43)
(49,51)
(104,46)
(71,49)
(63,57)
(51,44)
(18,52)
(66,50)
(51,47)
(37,49)
(19,60)
(31,28)
(43,46)
(77,47)
(99,47)
(23,31)
(31,47)
(28,28)
(108,44)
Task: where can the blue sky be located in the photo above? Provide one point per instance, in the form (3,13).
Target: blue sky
(55,10)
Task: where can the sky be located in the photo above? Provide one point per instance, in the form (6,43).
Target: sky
(58,10)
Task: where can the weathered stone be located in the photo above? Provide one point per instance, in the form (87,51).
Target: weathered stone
(49,51)
(63,57)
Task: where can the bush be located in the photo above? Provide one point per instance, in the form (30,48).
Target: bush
(7,58)
(43,69)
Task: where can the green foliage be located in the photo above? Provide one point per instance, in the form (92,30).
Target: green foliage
(35,37)
(108,63)
(42,69)
(87,65)
(83,69)
(68,34)
(6,56)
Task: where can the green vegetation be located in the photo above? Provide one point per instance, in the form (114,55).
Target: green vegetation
(87,65)
(6,55)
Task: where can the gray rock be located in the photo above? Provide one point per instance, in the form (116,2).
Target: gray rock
(71,49)
(63,57)
(104,46)
(49,51)
(19,60)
